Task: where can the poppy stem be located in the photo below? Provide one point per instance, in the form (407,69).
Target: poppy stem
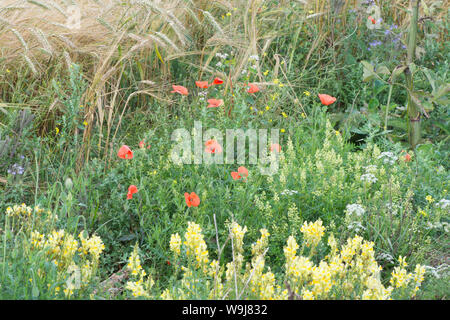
(231,90)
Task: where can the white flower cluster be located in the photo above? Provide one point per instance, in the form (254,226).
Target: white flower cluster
(219,64)
(222,55)
(354,209)
(369,177)
(438,226)
(356,226)
(443,204)
(202,95)
(371,168)
(388,157)
(288,192)
(393,208)
(386,257)
(254,57)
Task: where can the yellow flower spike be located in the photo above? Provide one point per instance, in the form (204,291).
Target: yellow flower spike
(228,14)
(267,108)
(57,130)
(266,72)
(282,130)
(429,199)
(306,93)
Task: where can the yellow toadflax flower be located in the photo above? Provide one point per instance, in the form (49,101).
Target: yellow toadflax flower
(175,244)
(313,232)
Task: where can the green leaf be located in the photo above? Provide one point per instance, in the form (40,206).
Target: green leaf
(383,70)
(412,67)
(397,71)
(35,292)
(368,70)
(373,103)
(442,91)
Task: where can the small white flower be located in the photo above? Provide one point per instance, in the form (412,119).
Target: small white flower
(371,168)
(356,226)
(443,203)
(385,256)
(354,209)
(369,177)
(388,157)
(288,192)
(222,55)
(254,58)
(219,64)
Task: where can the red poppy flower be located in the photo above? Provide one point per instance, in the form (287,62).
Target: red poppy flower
(371,19)
(192,200)
(217,81)
(275,147)
(214,103)
(407,157)
(235,175)
(180,89)
(131,190)
(202,84)
(212,146)
(125,152)
(168,262)
(142,144)
(241,173)
(252,88)
(326,99)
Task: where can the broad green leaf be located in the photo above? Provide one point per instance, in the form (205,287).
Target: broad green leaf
(373,103)
(35,292)
(397,71)
(383,70)
(369,72)
(442,91)
(412,67)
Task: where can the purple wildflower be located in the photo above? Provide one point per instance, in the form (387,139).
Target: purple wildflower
(16,169)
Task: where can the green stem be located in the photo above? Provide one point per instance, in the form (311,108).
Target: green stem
(387,107)
(412,110)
